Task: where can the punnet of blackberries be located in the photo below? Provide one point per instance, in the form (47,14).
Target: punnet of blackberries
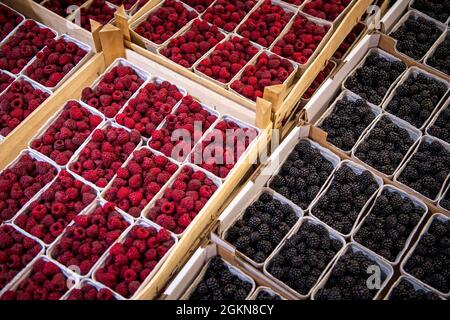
(303,174)
(430,260)
(262,227)
(264,295)
(445,201)
(389,224)
(441,127)
(405,290)
(348,193)
(384,146)
(348,278)
(346,123)
(439,59)
(373,79)
(415,99)
(436,9)
(427,169)
(220,283)
(304,257)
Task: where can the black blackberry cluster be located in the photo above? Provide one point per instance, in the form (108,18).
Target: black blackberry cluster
(347,121)
(405,291)
(445,201)
(427,169)
(219,283)
(416,36)
(430,261)
(348,279)
(304,257)
(340,206)
(441,127)
(265,295)
(374,78)
(415,100)
(261,229)
(437,9)
(440,59)
(302,174)
(389,224)
(385,146)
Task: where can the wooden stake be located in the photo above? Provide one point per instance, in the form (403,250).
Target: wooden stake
(263,113)
(112,43)
(275,95)
(121,21)
(95,29)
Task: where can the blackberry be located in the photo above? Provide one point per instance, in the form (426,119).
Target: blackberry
(254,222)
(437,9)
(264,295)
(445,201)
(441,127)
(439,59)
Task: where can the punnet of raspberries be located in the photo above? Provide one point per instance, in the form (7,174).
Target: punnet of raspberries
(441,127)
(190,46)
(48,215)
(23,45)
(130,262)
(407,290)
(320,78)
(91,234)
(348,41)
(223,147)
(303,174)
(227,59)
(183,200)
(9,20)
(265,295)
(445,201)
(20,182)
(389,224)
(45,281)
(439,58)
(128,4)
(16,252)
(114,89)
(139,181)
(62,7)
(104,154)
(199,5)
(266,23)
(220,283)
(148,109)
(268,70)
(436,9)
(162,23)
(326,9)
(66,133)
(302,40)
(262,228)
(227,14)
(17,103)
(5,80)
(190,117)
(99,11)
(90,292)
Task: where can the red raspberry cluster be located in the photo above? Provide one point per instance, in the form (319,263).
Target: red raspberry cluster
(47,217)
(222,147)
(301,41)
(139,181)
(151,105)
(114,90)
(128,4)
(5,80)
(199,5)
(98,11)
(188,116)
(130,262)
(187,48)
(67,133)
(269,70)
(89,292)
(17,103)
(227,59)
(183,200)
(8,21)
(227,14)
(104,154)
(164,22)
(46,281)
(88,238)
(325,9)
(349,41)
(265,24)
(20,182)
(60,7)
(54,62)
(23,45)
(321,77)
(295,2)
(16,251)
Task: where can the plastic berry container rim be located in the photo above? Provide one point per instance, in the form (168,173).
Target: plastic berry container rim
(417,202)
(333,235)
(416,14)
(352,97)
(95,284)
(414,133)
(412,72)
(9,74)
(437,216)
(87,211)
(234,270)
(17,26)
(358,169)
(416,284)
(444,193)
(328,76)
(385,267)
(102,261)
(432,51)
(40,253)
(298,212)
(267,290)
(340,17)
(362,33)
(435,117)
(424,139)
(411,7)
